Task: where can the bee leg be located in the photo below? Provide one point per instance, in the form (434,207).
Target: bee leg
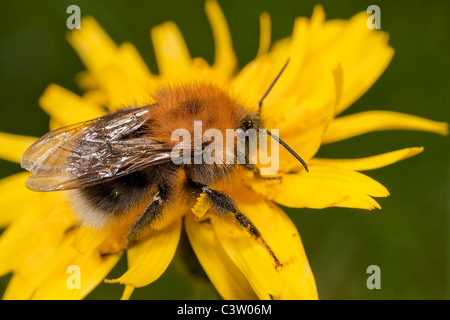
(149,215)
(145,219)
(253,169)
(224,204)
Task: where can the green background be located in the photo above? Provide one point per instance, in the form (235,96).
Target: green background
(408,239)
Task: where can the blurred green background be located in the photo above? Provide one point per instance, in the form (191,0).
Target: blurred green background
(408,239)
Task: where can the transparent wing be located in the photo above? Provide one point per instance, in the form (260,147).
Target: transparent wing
(94,151)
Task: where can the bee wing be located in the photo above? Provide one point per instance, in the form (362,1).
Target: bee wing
(93,152)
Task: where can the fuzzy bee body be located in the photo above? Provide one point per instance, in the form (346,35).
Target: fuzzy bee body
(122,161)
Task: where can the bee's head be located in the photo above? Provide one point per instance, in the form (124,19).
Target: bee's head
(251,122)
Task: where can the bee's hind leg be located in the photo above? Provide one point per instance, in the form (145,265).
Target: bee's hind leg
(150,214)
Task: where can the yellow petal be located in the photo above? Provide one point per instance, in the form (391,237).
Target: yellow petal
(292,279)
(326,187)
(225,60)
(367,163)
(92,44)
(17,289)
(251,82)
(127,292)
(306,76)
(29,243)
(148,260)
(136,71)
(223,273)
(126,80)
(119,71)
(264,36)
(34,233)
(15,197)
(66,107)
(316,49)
(86,240)
(172,54)
(356,124)
(13,146)
(305,143)
(53,275)
(93,269)
(45,254)
(364,55)
(339,84)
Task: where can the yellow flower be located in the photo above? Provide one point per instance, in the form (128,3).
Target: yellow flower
(332,63)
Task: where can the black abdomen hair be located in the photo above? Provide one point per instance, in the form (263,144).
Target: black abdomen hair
(102,202)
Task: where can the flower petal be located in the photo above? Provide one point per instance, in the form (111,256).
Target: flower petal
(66,107)
(47,252)
(127,292)
(119,71)
(368,163)
(332,63)
(93,44)
(93,269)
(292,279)
(223,273)
(30,242)
(30,229)
(16,198)
(364,55)
(172,54)
(356,124)
(323,45)
(324,187)
(265,34)
(305,143)
(225,60)
(13,146)
(148,260)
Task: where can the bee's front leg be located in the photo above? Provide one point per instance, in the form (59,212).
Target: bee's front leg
(257,174)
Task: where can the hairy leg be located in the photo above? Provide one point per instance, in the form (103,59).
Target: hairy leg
(223,204)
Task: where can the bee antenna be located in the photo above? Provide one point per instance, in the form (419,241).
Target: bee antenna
(271,86)
(272,135)
(288,149)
